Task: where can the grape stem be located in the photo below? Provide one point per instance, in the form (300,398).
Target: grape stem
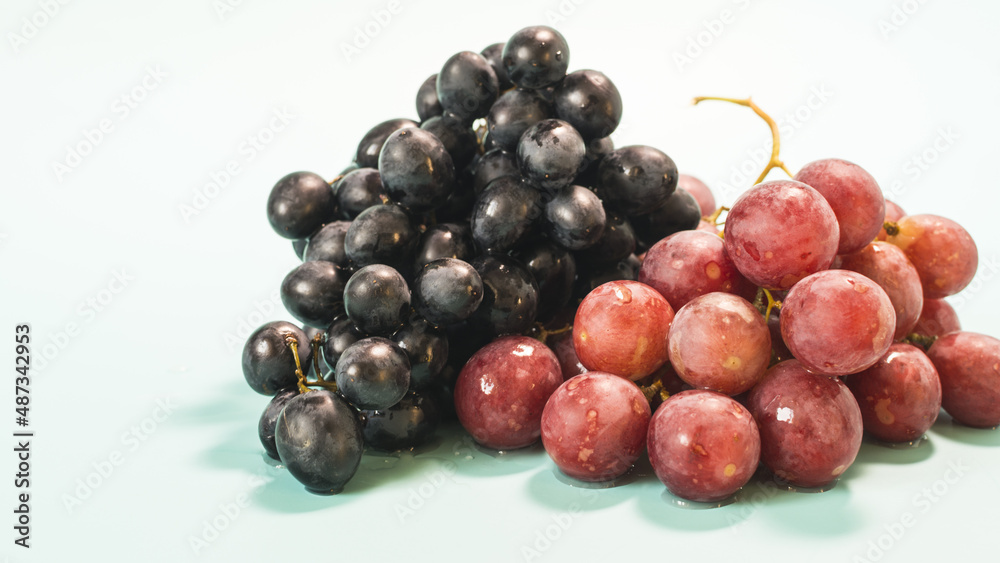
(653,390)
(714,217)
(543,334)
(772,303)
(920,340)
(774,161)
(891,228)
(303,383)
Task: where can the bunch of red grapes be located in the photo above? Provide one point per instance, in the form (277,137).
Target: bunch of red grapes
(500,262)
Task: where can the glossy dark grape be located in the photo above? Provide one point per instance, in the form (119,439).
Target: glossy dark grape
(327,244)
(536,57)
(615,244)
(513,113)
(416,170)
(680,213)
(590,102)
(637,179)
(428,104)
(554,269)
(597,149)
(445,240)
(467,85)
(458,138)
(313,292)
(575,218)
(551,153)
(447,291)
(269,419)
(382,234)
(494,54)
(493,165)
(591,278)
(319,440)
(510,296)
(358,190)
(505,214)
(299,204)
(377,299)
(339,337)
(299,246)
(371,144)
(268,362)
(408,424)
(427,349)
(373,373)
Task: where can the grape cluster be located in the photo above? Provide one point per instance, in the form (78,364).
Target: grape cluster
(500,262)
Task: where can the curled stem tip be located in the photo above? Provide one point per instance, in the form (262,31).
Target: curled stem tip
(774,161)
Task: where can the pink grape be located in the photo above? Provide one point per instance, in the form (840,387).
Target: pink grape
(853,194)
(969,366)
(893,213)
(702,194)
(837,322)
(937,319)
(889,267)
(943,253)
(780,232)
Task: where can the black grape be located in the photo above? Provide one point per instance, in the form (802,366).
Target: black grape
(377,299)
(313,292)
(681,212)
(373,373)
(358,190)
(494,54)
(447,291)
(637,179)
(510,296)
(467,85)
(408,424)
(575,217)
(551,153)
(615,244)
(383,234)
(269,419)
(427,349)
(428,105)
(299,204)
(268,362)
(327,244)
(492,165)
(371,144)
(590,102)
(458,138)
(513,113)
(417,172)
(536,57)
(445,240)
(504,214)
(554,269)
(339,337)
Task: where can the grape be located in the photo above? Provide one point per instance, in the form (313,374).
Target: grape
(550,153)
(597,149)
(358,190)
(679,213)
(937,318)
(427,349)
(428,105)
(621,327)
(887,266)
(704,446)
(719,341)
(445,240)
(373,373)
(327,244)
(510,296)
(594,426)
(417,172)
(588,280)
(969,366)
(494,54)
(899,396)
(269,419)
(637,179)
(893,213)
(370,146)
(810,425)
(299,246)
(943,253)
(702,194)
(501,391)
(780,232)
(409,423)
(382,234)
(513,113)
(268,362)
(615,244)
(339,336)
(299,204)
(562,345)
(377,299)
(837,322)
(504,214)
(492,165)
(854,196)
(459,139)
(707,227)
(318,437)
(687,264)
(575,218)
(554,269)
(590,102)
(467,85)
(447,291)
(313,292)
(536,57)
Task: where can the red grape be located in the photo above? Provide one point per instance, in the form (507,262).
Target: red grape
(810,425)
(562,345)
(780,232)
(969,366)
(899,396)
(853,194)
(937,319)
(702,194)
(621,327)
(501,391)
(887,266)
(720,342)
(837,322)
(943,253)
(687,264)
(594,426)
(703,445)
(704,225)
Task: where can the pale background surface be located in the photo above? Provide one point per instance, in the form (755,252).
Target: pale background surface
(926,90)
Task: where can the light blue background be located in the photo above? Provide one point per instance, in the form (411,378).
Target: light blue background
(150,376)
